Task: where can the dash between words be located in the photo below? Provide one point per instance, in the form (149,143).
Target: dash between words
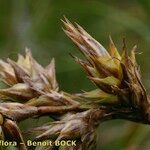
(40,143)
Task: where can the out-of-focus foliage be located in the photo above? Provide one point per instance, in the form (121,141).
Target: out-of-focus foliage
(36,24)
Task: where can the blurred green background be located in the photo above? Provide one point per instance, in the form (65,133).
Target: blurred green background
(36,24)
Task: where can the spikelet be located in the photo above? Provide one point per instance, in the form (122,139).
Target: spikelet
(27,79)
(70,127)
(114,74)
(30,83)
